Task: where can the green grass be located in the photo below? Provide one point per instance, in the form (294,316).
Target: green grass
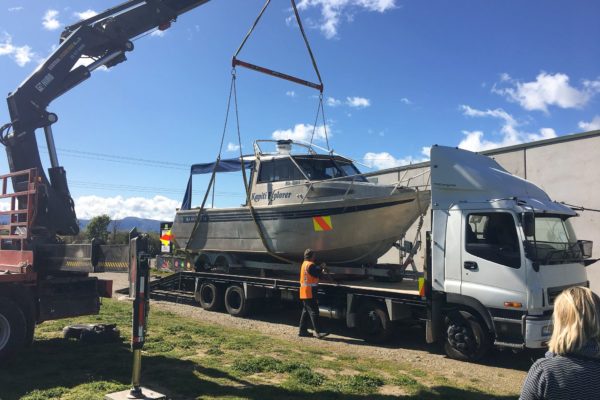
(188,359)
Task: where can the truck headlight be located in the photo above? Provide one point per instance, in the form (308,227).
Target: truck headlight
(547,330)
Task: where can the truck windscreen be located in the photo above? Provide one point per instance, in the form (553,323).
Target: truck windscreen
(554,241)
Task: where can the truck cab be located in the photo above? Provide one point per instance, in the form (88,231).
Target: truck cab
(502,251)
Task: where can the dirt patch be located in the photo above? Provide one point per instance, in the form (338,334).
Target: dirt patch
(392,390)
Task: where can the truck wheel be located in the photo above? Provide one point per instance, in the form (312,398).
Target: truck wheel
(210,296)
(235,301)
(466,337)
(373,323)
(13,328)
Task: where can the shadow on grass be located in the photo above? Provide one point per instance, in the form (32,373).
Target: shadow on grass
(411,337)
(60,363)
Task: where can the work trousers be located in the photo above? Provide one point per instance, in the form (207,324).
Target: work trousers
(310,309)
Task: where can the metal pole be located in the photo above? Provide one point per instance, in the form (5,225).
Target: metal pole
(51,146)
(140,312)
(136,390)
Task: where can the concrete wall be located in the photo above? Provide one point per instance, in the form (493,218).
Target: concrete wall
(567,168)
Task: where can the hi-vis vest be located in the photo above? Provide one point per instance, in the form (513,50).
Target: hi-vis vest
(307,281)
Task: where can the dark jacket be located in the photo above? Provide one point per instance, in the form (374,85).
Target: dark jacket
(570,376)
(315,270)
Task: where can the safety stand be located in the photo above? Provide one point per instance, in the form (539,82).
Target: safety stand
(141,306)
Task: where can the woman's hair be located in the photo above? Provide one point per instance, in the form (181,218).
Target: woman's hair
(576,320)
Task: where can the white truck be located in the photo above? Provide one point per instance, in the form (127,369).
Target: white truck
(499,252)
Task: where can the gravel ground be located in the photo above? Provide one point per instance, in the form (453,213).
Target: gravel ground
(502,372)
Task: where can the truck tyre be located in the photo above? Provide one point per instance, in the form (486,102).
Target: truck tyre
(13,328)
(373,322)
(466,337)
(236,302)
(210,296)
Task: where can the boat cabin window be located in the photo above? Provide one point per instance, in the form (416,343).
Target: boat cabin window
(280,169)
(493,237)
(327,168)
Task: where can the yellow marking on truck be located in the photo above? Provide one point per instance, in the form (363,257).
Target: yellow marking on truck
(422,287)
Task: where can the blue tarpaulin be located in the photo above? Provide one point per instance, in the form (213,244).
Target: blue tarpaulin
(224,165)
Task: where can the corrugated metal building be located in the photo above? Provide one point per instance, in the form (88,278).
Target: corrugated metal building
(567,168)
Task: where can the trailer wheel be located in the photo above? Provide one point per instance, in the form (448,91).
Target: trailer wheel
(373,322)
(236,302)
(466,337)
(210,296)
(13,328)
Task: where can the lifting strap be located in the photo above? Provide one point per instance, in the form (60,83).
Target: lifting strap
(235,62)
(320,110)
(246,183)
(214,172)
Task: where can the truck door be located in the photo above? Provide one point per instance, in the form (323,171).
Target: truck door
(493,270)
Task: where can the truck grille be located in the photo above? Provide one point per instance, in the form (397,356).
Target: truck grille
(553,292)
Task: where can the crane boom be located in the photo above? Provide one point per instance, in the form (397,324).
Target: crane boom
(104,38)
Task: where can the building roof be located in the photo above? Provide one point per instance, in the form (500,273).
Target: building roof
(507,149)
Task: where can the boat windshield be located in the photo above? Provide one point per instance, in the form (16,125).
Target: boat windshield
(328,168)
(554,241)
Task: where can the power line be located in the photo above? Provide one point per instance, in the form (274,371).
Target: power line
(121,159)
(143,189)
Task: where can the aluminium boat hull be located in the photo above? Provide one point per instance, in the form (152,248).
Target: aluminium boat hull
(350,232)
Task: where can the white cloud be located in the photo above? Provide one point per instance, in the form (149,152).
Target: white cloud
(50,21)
(333,12)
(511,135)
(406,101)
(545,133)
(232,147)
(547,90)
(290,93)
(333,102)
(13,9)
(593,125)
(158,207)
(385,160)
(302,132)
(358,102)
(22,55)
(158,33)
(89,13)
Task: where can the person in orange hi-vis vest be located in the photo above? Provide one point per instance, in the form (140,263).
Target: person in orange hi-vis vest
(310,273)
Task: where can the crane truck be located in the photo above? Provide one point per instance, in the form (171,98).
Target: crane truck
(41,278)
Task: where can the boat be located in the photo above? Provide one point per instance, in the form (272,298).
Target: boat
(298,200)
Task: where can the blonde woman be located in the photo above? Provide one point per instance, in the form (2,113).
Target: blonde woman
(571,369)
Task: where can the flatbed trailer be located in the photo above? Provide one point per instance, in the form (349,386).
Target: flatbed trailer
(370,305)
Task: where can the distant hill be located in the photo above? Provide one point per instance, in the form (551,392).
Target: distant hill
(128,223)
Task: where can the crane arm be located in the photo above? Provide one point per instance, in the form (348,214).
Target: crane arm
(104,39)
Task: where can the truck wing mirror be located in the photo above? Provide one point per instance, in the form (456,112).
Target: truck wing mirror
(528,224)
(586,248)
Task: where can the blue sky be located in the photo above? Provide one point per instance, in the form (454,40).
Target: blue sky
(399,76)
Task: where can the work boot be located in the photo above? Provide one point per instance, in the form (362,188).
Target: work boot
(305,334)
(321,335)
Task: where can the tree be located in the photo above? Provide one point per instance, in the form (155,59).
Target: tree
(98,228)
